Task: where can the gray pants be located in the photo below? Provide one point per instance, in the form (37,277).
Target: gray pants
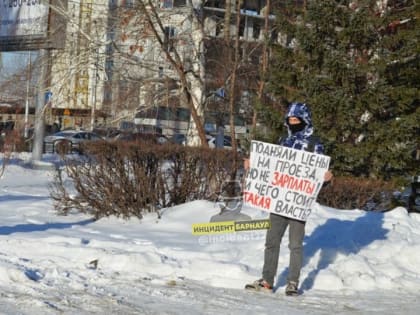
(272,247)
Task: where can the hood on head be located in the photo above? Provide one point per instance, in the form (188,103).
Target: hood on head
(301,111)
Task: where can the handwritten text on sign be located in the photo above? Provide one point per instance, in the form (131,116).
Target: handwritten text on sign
(283,180)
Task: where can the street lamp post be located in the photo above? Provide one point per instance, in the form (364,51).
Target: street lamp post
(95,82)
(28,81)
(38,142)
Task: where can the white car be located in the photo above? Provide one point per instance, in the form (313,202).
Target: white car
(68,140)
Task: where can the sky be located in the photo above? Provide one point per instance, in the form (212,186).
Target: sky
(356,262)
(6,62)
(12,61)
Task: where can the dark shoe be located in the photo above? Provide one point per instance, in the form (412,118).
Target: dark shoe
(292,288)
(259,285)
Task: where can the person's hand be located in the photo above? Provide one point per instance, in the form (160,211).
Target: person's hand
(328,176)
(246,164)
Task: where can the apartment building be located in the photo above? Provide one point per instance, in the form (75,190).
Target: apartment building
(115,67)
(152,89)
(77,72)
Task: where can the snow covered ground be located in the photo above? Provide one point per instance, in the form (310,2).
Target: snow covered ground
(356,262)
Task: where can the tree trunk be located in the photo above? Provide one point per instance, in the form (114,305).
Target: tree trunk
(38,142)
(264,66)
(191,77)
(232,94)
(228,12)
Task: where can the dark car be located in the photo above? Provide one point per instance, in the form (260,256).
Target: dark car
(141,137)
(178,138)
(227,142)
(413,204)
(107,133)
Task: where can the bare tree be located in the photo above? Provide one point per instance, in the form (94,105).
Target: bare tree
(228,13)
(263,65)
(151,63)
(236,60)
(16,90)
(188,69)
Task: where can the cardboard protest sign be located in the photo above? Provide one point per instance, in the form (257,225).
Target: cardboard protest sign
(283,180)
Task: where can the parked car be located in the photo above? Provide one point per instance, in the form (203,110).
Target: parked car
(141,137)
(413,204)
(178,138)
(107,132)
(227,142)
(68,140)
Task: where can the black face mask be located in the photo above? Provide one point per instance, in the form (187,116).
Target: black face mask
(297,127)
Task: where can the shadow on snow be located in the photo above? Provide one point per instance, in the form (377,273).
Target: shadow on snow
(338,237)
(31,227)
(22,198)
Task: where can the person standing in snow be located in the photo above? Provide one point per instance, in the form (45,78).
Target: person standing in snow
(300,136)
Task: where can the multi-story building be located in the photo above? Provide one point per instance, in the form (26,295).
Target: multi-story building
(114,68)
(152,90)
(78,71)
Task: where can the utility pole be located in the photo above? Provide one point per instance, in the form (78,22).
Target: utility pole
(28,83)
(94,84)
(94,80)
(264,65)
(38,143)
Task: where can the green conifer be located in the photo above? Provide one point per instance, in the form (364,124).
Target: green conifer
(357,65)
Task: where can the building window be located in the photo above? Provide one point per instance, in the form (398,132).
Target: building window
(169,4)
(169,32)
(256,30)
(179,3)
(166,4)
(169,38)
(129,3)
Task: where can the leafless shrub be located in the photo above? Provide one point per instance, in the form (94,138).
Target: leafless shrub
(355,193)
(11,141)
(130,179)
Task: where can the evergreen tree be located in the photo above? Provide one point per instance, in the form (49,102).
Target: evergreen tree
(357,64)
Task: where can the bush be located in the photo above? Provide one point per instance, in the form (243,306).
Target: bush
(12,141)
(127,180)
(358,193)
(130,179)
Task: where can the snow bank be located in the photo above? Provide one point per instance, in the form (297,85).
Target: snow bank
(71,264)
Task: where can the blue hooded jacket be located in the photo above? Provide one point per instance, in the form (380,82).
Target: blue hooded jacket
(304,139)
